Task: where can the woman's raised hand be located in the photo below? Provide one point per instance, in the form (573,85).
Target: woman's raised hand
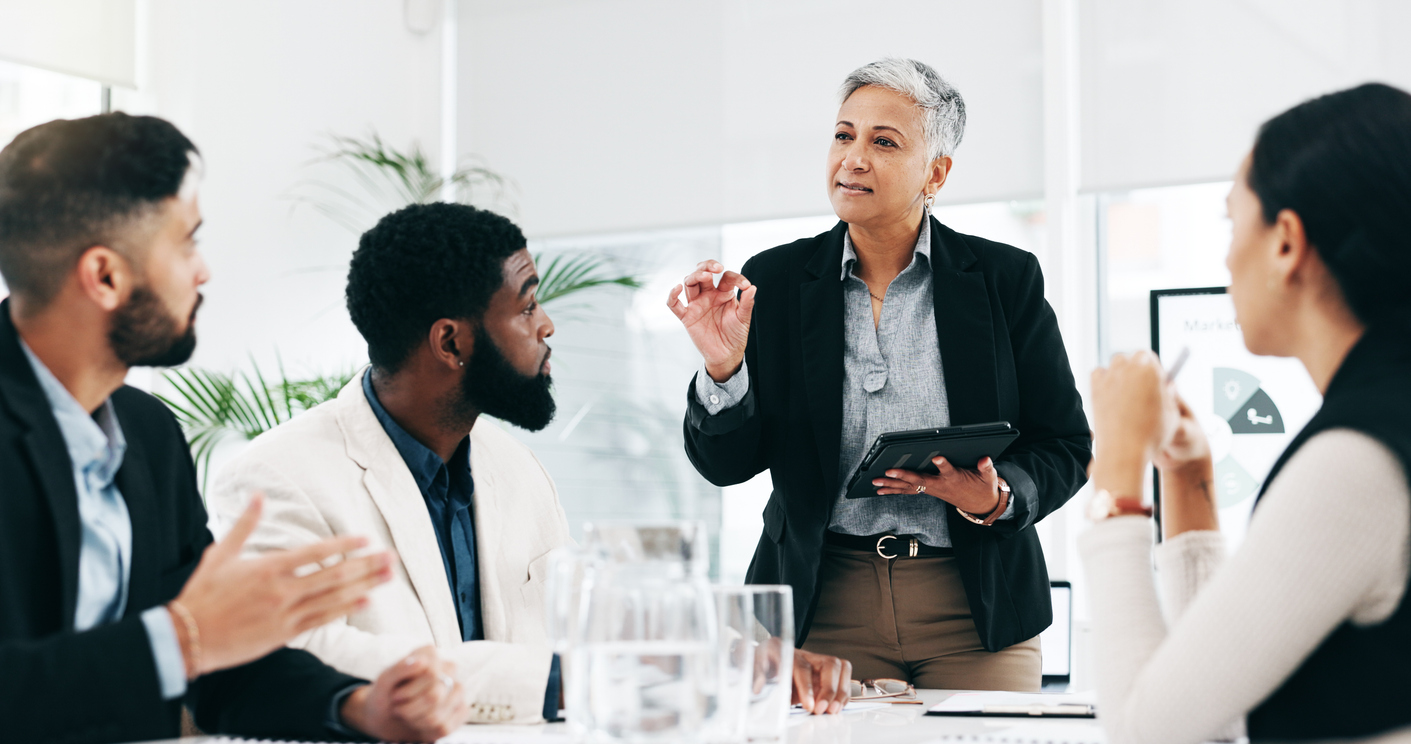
(1134,417)
(1187,446)
(718,322)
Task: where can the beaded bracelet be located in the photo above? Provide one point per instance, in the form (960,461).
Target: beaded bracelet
(193,638)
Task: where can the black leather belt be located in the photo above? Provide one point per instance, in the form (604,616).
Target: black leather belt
(887,546)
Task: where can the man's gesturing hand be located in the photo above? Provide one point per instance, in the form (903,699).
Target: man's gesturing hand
(244,608)
(416,699)
(821,682)
(718,323)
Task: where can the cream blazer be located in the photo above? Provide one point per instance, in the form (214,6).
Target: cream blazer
(333,471)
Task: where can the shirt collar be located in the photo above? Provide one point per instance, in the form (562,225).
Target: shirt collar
(922,249)
(95,442)
(425,464)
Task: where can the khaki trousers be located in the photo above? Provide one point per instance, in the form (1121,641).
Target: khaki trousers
(908,619)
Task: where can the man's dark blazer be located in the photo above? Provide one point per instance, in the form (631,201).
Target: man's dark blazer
(1003,360)
(101,685)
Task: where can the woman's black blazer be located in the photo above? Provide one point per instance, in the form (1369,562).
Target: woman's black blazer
(1004,361)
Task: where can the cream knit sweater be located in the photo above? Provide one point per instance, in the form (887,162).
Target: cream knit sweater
(1330,542)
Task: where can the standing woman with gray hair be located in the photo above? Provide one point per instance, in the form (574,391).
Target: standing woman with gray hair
(892,321)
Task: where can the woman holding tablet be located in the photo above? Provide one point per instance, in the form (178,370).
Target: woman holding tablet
(889,322)
(1305,632)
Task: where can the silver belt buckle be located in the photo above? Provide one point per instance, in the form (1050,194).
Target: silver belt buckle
(913,547)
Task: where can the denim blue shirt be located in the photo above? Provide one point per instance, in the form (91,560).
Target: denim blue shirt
(96,446)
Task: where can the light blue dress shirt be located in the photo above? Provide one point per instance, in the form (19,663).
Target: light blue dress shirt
(96,446)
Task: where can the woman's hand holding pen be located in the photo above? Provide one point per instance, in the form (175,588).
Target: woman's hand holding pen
(1139,418)
(717,321)
(1134,416)
(974,491)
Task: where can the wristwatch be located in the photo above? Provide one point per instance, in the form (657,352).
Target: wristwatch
(1104,505)
(990,518)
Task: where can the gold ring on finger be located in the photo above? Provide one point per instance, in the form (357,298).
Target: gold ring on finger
(921,489)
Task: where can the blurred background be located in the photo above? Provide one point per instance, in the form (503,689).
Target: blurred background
(633,138)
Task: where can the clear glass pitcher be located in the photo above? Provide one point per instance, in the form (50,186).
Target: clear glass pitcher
(632,615)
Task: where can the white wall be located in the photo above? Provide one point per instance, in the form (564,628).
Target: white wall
(255,84)
(634,114)
(1173,92)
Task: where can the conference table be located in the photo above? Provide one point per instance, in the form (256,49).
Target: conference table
(874,724)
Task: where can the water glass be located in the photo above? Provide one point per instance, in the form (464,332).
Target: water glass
(730,700)
(773,628)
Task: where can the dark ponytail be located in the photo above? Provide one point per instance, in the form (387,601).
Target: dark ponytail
(1342,163)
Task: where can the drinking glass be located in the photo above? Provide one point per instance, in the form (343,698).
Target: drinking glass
(773,629)
(729,704)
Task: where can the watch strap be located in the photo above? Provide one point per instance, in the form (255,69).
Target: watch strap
(989,519)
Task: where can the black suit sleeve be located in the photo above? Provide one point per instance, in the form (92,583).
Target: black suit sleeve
(1048,463)
(728,448)
(285,695)
(99,685)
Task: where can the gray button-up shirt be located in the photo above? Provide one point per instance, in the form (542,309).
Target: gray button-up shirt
(893,380)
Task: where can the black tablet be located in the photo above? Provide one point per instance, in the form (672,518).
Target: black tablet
(962,446)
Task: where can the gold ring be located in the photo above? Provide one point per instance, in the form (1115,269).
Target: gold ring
(921,489)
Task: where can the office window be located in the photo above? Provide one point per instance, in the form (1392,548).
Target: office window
(30,96)
(1161,238)
(621,366)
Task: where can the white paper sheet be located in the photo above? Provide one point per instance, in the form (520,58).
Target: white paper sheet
(963,702)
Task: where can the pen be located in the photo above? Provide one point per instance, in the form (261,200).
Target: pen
(1178,364)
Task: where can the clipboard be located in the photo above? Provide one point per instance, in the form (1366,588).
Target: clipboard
(962,446)
(1022,711)
(1015,705)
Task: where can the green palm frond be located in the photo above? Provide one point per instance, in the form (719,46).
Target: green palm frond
(211,406)
(378,178)
(570,273)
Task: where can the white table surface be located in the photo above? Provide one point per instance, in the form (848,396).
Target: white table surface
(895,724)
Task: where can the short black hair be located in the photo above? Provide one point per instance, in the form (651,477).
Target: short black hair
(71,184)
(1342,163)
(423,263)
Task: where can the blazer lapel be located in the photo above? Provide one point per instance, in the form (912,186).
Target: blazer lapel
(489,536)
(964,329)
(394,491)
(821,336)
(44,444)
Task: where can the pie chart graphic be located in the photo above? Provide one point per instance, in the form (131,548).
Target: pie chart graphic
(1233,483)
(1243,403)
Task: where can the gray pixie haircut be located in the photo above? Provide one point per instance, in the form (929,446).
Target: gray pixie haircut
(939,101)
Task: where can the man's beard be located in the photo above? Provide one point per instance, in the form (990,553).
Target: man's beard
(144,333)
(492,386)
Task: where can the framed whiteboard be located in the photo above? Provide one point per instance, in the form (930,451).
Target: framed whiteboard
(1250,406)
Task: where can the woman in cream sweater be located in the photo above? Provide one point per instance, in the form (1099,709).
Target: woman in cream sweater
(1305,632)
